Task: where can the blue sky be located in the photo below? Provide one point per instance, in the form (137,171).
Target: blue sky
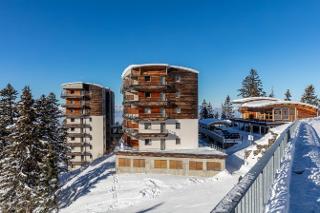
(46,43)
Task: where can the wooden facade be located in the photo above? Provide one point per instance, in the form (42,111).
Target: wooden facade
(157,93)
(83,103)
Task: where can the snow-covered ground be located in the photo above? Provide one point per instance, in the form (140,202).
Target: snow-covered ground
(98,189)
(297,184)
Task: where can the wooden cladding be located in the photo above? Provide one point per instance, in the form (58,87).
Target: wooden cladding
(214,166)
(175,91)
(160,164)
(175,164)
(195,165)
(139,163)
(124,162)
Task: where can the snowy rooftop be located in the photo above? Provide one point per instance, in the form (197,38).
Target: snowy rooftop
(81,82)
(126,70)
(251,99)
(212,121)
(258,102)
(199,151)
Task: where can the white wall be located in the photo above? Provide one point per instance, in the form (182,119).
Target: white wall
(188,134)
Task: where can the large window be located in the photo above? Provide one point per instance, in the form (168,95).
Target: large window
(147,78)
(147,94)
(147,110)
(147,142)
(147,125)
(178,125)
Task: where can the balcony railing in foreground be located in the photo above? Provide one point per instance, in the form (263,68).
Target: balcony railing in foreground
(251,194)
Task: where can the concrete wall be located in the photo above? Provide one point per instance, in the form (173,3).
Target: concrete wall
(98,136)
(185,171)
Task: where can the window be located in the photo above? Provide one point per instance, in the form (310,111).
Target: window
(163,80)
(147,78)
(213,166)
(71,110)
(147,94)
(147,110)
(178,94)
(71,101)
(147,126)
(194,165)
(147,142)
(72,129)
(178,126)
(175,164)
(73,138)
(162,96)
(90,119)
(124,162)
(71,91)
(72,119)
(178,141)
(90,128)
(163,112)
(178,110)
(160,164)
(178,78)
(139,163)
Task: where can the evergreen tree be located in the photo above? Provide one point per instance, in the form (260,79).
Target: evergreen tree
(21,171)
(216,115)
(204,110)
(271,95)
(210,111)
(288,95)
(227,109)
(8,113)
(252,86)
(310,96)
(53,137)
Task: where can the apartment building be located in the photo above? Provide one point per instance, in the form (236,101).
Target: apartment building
(160,122)
(89,116)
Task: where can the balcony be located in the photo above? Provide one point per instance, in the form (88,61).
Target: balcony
(77,105)
(79,144)
(153,116)
(79,125)
(80,94)
(79,154)
(79,135)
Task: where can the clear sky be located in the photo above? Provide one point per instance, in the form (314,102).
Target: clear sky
(46,43)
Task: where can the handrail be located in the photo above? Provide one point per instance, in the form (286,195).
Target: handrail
(252,192)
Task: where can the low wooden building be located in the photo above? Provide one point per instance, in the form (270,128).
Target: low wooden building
(265,112)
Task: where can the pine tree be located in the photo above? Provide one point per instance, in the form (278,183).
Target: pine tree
(227,109)
(288,95)
(271,95)
(8,113)
(216,115)
(210,111)
(204,110)
(53,137)
(252,86)
(21,168)
(310,96)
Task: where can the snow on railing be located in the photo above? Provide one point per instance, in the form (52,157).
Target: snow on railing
(252,192)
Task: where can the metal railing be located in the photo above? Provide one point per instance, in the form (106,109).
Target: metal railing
(251,194)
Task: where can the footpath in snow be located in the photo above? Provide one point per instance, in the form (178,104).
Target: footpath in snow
(305,177)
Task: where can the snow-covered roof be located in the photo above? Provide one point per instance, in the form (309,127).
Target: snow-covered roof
(251,99)
(126,70)
(258,104)
(212,121)
(81,82)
